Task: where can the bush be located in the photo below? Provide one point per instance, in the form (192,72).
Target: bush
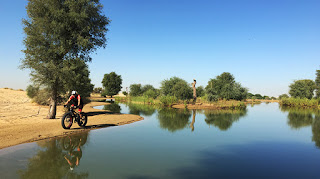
(168,100)
(32,91)
(150,94)
(42,97)
(176,87)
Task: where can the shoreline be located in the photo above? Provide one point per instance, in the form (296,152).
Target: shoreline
(23,122)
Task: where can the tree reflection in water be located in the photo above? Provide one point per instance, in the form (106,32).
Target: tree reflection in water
(298,118)
(173,119)
(140,109)
(113,107)
(57,159)
(223,119)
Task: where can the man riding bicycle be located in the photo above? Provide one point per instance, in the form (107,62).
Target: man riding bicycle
(76,100)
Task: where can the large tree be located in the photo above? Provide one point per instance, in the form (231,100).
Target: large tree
(224,86)
(302,89)
(317,81)
(59,30)
(176,87)
(112,84)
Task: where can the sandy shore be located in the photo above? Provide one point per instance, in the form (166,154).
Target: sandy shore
(22,121)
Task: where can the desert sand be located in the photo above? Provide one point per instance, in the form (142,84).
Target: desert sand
(22,121)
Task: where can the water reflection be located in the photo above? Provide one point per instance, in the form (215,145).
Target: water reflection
(223,119)
(173,119)
(113,107)
(298,118)
(193,120)
(58,158)
(139,109)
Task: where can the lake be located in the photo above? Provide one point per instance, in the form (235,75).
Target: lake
(263,141)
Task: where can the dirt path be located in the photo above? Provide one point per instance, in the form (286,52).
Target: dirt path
(22,121)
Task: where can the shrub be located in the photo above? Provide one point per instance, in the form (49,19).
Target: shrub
(32,91)
(176,87)
(168,100)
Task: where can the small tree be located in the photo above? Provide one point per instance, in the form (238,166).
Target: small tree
(135,90)
(112,84)
(97,90)
(200,91)
(32,91)
(302,88)
(147,87)
(224,86)
(176,87)
(283,96)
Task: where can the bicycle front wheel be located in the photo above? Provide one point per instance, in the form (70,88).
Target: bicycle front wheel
(67,120)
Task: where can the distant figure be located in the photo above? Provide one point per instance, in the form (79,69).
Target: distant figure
(194,91)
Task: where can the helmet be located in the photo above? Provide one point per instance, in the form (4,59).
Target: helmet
(73,92)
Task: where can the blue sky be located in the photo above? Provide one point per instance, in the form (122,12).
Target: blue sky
(265,44)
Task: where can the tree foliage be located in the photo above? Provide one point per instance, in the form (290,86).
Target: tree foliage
(176,87)
(302,89)
(224,86)
(57,31)
(283,96)
(135,90)
(76,77)
(200,91)
(112,84)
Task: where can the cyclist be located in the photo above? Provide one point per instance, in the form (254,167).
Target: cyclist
(76,100)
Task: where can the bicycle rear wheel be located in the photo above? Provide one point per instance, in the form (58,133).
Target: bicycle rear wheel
(83,121)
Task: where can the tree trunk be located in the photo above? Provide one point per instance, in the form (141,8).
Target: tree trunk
(52,109)
(53,101)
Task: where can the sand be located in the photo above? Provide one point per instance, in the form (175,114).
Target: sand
(22,121)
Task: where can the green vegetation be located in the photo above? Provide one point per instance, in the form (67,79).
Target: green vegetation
(177,91)
(97,90)
(224,86)
(112,84)
(176,87)
(298,102)
(59,32)
(302,89)
(302,93)
(173,119)
(283,96)
(223,119)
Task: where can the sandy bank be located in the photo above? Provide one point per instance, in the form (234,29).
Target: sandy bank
(22,121)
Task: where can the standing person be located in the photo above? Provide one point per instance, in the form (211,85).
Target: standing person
(76,100)
(194,91)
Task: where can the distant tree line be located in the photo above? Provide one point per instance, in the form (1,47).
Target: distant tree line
(223,86)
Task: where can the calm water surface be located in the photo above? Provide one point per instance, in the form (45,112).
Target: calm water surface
(263,141)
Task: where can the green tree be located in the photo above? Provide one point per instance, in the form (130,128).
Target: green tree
(200,91)
(76,77)
(57,31)
(317,82)
(283,96)
(135,90)
(176,87)
(150,94)
(302,89)
(258,96)
(112,84)
(147,87)
(32,91)
(250,95)
(224,86)
(97,90)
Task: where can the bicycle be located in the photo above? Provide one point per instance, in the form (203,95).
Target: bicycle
(71,116)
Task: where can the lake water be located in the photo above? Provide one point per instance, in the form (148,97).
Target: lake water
(264,141)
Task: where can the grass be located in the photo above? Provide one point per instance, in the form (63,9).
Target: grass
(169,101)
(301,102)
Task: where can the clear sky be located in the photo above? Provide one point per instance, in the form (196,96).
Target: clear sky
(265,44)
